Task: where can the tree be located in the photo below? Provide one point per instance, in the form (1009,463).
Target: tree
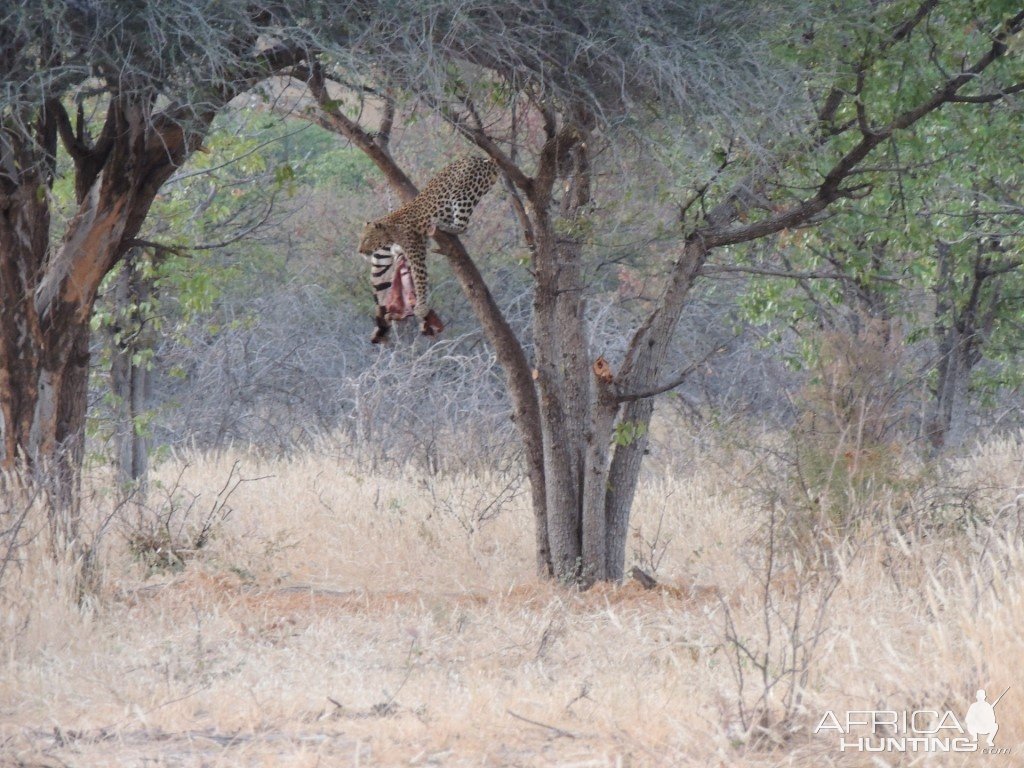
(584,421)
(935,250)
(780,111)
(572,71)
(128,95)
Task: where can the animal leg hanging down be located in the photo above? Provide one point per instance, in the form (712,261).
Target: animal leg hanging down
(400,303)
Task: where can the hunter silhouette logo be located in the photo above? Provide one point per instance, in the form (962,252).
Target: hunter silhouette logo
(981,718)
(921,730)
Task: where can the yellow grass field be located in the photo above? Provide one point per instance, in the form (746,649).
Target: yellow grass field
(339,618)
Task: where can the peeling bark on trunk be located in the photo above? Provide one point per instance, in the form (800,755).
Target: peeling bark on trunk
(19,356)
(24,240)
(46,299)
(46,292)
(65,398)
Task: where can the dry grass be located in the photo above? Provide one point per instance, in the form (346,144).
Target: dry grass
(337,618)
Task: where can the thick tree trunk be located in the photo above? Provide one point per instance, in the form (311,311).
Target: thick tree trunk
(563,369)
(24,240)
(620,488)
(44,355)
(20,350)
(561,441)
(46,295)
(639,373)
(46,299)
(65,395)
(596,539)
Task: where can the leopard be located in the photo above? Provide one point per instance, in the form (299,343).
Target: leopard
(446,204)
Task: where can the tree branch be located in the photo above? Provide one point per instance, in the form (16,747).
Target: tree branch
(672,383)
(791,275)
(830,189)
(1000,269)
(139,242)
(333,119)
(480,137)
(988,98)
(75,145)
(387,122)
(902,32)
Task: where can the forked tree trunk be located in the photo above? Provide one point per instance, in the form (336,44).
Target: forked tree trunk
(46,294)
(44,357)
(566,413)
(46,298)
(589,481)
(582,487)
(44,373)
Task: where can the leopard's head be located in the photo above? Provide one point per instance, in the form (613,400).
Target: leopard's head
(376,235)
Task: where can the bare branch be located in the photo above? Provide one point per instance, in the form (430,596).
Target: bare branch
(332,118)
(989,98)
(711,269)
(830,189)
(75,146)
(478,136)
(672,383)
(212,169)
(158,248)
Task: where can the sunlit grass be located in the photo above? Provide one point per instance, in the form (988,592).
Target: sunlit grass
(339,617)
